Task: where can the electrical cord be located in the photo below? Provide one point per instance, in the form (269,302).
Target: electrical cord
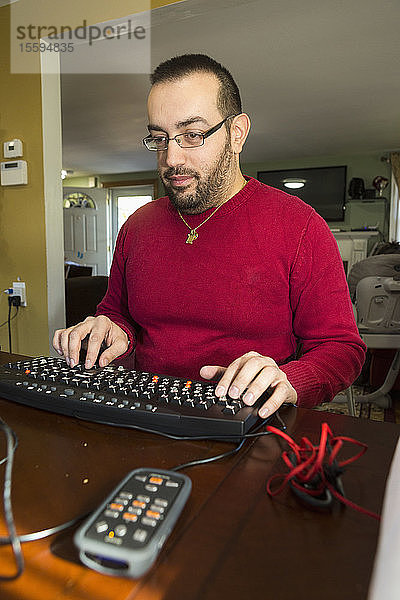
(9,329)
(12,318)
(38,535)
(12,442)
(219,438)
(16,541)
(203,461)
(314,471)
(12,301)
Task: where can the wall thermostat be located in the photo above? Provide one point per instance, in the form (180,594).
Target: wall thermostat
(12,149)
(14,172)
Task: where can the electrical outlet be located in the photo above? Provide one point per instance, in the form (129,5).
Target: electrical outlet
(20,290)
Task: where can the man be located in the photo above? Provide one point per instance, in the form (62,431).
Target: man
(224,278)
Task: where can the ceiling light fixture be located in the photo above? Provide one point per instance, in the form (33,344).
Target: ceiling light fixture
(294,183)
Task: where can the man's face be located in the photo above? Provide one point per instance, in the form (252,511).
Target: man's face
(194,178)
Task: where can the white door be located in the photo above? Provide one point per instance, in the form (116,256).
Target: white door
(86,238)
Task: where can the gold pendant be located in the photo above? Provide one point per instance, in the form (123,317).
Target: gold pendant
(193,235)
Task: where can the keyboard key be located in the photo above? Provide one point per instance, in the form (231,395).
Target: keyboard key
(125,397)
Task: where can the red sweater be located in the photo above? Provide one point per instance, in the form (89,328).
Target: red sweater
(265,274)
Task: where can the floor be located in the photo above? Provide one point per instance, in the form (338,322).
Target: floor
(396,406)
(367,411)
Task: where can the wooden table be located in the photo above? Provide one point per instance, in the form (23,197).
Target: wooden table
(232,540)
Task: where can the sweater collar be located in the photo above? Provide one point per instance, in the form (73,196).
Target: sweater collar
(226,208)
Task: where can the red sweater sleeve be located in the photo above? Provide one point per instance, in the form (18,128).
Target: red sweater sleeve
(115,303)
(323,319)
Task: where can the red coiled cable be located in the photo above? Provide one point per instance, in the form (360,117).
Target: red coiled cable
(314,471)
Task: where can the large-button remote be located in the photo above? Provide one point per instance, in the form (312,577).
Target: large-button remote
(125,534)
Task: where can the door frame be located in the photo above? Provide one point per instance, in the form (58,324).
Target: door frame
(53,194)
(132,182)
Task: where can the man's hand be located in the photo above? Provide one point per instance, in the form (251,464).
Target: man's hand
(256,373)
(68,342)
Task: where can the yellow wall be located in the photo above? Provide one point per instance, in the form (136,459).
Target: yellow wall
(22,208)
(22,225)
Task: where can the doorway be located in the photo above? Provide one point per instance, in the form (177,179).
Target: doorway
(125,198)
(125,201)
(86,241)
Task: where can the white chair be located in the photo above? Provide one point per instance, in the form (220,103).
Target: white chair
(377,311)
(378,321)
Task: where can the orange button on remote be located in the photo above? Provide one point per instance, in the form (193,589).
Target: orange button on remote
(129,517)
(156,480)
(152,514)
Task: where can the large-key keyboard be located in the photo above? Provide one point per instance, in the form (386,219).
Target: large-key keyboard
(117,396)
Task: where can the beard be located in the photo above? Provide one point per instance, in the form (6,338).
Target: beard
(211,190)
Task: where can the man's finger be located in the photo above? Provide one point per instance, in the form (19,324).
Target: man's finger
(229,375)
(100,331)
(283,392)
(57,341)
(211,371)
(118,347)
(255,376)
(65,341)
(75,337)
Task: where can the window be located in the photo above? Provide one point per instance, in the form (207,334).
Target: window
(127,205)
(125,201)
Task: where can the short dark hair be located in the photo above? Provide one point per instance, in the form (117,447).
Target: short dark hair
(228,100)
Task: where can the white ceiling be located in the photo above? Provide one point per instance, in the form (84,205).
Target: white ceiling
(317,77)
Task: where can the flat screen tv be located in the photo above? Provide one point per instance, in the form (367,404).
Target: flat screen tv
(324,188)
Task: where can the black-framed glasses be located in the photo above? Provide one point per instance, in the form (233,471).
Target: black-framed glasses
(190,139)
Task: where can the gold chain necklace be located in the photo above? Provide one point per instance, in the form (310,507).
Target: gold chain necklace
(193,235)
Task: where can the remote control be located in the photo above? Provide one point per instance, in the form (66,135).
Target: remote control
(126,533)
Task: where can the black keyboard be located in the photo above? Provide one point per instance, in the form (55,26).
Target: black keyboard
(117,396)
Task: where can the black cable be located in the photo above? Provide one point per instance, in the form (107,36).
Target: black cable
(38,535)
(12,318)
(10,304)
(29,537)
(9,328)
(15,438)
(12,443)
(198,438)
(13,538)
(8,514)
(202,461)
(245,437)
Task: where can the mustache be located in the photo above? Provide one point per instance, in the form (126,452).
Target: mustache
(174,171)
